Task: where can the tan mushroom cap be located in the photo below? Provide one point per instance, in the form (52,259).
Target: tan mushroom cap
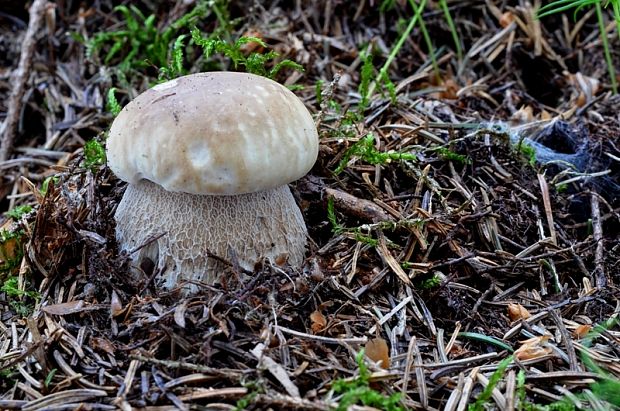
(218,133)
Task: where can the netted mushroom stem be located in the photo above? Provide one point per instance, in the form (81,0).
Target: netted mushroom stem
(250,226)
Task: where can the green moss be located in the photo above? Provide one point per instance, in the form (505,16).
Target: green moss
(365,150)
(94,154)
(17,212)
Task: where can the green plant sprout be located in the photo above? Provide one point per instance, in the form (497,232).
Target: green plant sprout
(525,405)
(112,104)
(49,377)
(430,283)
(175,67)
(365,150)
(443,4)
(254,389)
(318,92)
(337,228)
(16,294)
(386,5)
(559,6)
(140,42)
(17,212)
(46,183)
(608,388)
(358,391)
(254,63)
(365,77)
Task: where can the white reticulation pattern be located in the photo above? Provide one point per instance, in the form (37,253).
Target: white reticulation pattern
(265,224)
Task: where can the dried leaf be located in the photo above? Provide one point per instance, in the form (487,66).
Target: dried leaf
(101,344)
(523,115)
(506,19)
(582,330)
(378,351)
(533,348)
(518,312)
(252,46)
(116,306)
(277,370)
(584,88)
(450,90)
(70,307)
(179,314)
(319,322)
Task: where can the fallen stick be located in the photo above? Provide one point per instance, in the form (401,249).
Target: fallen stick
(19,78)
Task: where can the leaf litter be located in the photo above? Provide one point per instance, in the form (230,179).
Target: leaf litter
(452,223)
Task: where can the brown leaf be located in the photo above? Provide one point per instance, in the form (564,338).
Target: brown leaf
(518,312)
(71,307)
(252,46)
(102,344)
(116,306)
(533,348)
(582,330)
(450,90)
(378,351)
(179,314)
(319,322)
(506,19)
(524,115)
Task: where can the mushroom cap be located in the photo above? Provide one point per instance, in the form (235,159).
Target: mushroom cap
(217,133)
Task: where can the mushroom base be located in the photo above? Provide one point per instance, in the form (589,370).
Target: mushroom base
(178,231)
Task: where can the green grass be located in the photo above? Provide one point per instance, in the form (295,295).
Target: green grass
(443,4)
(559,6)
(485,396)
(50,377)
(358,391)
(383,72)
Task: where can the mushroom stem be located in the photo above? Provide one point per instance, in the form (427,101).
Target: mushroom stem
(245,227)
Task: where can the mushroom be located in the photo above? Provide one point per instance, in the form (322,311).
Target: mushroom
(208,157)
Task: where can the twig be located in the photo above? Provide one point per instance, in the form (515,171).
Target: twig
(222,372)
(327,340)
(597,234)
(359,207)
(326,97)
(19,78)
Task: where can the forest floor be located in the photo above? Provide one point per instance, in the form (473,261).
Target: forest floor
(463,213)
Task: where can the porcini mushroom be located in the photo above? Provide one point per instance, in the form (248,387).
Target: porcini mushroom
(208,157)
